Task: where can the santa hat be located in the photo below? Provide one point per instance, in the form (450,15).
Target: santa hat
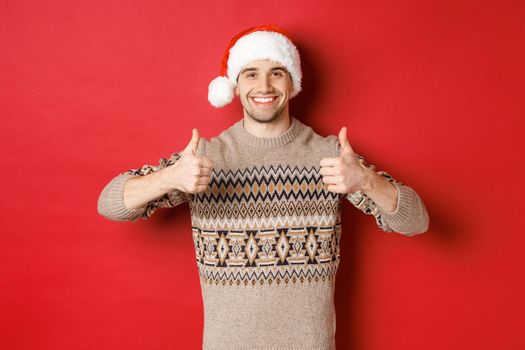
(257,43)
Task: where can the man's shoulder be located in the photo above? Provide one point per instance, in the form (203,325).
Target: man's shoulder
(312,138)
(217,142)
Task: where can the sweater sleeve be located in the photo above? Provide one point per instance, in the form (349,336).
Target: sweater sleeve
(410,216)
(111,199)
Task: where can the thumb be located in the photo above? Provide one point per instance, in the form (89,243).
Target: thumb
(343,141)
(191,148)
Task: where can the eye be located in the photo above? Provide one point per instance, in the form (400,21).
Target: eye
(250,75)
(277,73)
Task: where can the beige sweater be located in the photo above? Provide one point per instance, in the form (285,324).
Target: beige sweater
(266,235)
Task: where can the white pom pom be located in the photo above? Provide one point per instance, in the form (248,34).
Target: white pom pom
(220,91)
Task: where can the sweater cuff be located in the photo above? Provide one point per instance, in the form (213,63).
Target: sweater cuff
(111,201)
(406,202)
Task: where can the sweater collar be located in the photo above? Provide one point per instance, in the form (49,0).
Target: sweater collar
(266,142)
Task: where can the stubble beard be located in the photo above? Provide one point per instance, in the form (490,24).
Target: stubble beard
(262,116)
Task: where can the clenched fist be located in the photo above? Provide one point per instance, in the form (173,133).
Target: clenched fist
(345,173)
(190,173)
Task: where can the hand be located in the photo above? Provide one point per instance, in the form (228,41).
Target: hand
(345,173)
(190,173)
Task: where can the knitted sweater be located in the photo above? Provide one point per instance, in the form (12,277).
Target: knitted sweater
(266,236)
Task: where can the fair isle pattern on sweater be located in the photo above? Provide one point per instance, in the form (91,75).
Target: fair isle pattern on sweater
(267,234)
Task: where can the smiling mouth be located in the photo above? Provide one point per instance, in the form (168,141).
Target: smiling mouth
(263,101)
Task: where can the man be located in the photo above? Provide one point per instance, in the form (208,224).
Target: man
(265,199)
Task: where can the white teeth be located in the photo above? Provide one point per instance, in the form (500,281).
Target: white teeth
(263,100)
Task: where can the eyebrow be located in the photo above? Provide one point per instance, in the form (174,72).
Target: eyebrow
(254,69)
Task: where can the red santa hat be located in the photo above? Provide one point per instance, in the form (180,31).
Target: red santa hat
(257,43)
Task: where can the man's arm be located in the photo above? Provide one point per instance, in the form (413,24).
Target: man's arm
(138,193)
(395,206)
(381,191)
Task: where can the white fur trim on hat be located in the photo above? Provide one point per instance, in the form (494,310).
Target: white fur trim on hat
(259,45)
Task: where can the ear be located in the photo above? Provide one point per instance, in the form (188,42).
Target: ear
(236,91)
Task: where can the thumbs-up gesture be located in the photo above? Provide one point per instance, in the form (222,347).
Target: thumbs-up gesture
(345,173)
(190,173)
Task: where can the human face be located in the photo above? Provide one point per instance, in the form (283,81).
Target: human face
(264,89)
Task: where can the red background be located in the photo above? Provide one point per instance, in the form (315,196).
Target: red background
(429,91)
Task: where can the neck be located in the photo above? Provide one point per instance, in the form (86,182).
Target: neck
(281,140)
(267,129)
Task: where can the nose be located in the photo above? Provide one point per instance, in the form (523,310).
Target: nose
(265,85)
